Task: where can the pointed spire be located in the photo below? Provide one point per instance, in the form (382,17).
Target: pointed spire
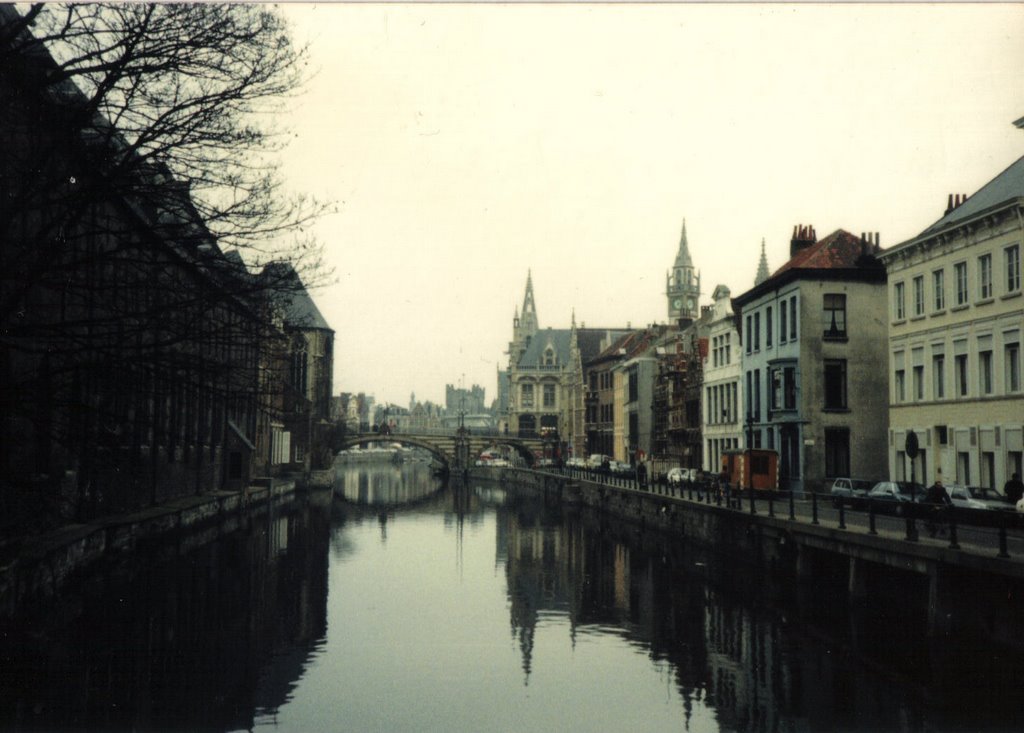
(529,312)
(762,267)
(683,257)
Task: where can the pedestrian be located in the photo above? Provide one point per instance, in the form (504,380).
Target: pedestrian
(937,496)
(1014,489)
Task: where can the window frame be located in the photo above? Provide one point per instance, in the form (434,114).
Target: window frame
(961,283)
(837,306)
(835,366)
(1011,265)
(939,289)
(918,283)
(899,304)
(985,289)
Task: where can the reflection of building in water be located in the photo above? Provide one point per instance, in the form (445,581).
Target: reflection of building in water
(199,640)
(537,571)
(747,676)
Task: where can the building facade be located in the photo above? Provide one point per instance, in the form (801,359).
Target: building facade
(723,405)
(546,386)
(813,336)
(955,318)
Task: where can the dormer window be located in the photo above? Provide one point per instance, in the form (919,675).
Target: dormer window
(549,356)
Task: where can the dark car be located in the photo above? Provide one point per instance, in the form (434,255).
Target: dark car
(851,491)
(891,496)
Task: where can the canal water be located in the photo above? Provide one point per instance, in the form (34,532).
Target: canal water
(408,605)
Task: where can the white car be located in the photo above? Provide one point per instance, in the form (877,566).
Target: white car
(976,497)
(676,476)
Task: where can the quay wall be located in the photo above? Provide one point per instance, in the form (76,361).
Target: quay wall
(41,565)
(959,592)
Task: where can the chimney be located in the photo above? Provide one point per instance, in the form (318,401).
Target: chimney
(803,237)
(878,246)
(954,201)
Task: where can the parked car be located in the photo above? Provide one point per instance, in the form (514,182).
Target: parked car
(893,495)
(595,460)
(852,491)
(619,468)
(677,476)
(977,497)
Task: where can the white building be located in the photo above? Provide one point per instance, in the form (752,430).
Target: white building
(956,313)
(723,408)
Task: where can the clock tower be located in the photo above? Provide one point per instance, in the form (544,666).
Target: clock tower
(682,285)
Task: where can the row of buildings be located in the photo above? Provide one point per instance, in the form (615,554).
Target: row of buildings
(139,359)
(831,360)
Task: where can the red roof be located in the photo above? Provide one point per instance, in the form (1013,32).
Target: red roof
(839,250)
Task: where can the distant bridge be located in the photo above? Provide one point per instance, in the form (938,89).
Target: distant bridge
(457,448)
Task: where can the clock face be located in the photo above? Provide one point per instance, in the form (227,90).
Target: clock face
(677,303)
(689,303)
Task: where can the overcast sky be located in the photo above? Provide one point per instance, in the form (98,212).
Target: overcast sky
(466,144)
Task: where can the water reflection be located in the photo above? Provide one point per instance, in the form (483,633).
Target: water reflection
(753,657)
(384,482)
(178,637)
(611,629)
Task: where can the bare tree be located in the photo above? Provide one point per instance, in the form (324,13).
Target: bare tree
(139,187)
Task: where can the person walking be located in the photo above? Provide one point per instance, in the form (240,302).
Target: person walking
(1014,489)
(937,496)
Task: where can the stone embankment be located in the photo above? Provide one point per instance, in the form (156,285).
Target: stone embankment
(40,565)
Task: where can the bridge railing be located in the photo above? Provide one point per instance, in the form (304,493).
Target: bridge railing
(991,527)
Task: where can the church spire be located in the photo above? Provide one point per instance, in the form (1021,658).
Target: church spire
(683,256)
(682,285)
(762,267)
(528,317)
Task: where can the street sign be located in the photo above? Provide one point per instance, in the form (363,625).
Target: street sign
(910,446)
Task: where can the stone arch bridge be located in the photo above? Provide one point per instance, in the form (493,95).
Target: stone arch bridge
(457,449)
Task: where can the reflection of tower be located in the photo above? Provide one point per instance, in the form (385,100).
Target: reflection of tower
(682,285)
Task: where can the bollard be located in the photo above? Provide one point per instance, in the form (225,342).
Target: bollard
(753,510)
(1003,552)
(814,507)
(842,514)
(792,512)
(771,503)
(871,517)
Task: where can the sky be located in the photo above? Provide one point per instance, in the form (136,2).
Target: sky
(468,144)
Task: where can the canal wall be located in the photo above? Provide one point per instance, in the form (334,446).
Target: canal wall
(39,566)
(957,591)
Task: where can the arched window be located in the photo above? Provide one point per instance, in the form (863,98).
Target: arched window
(549,356)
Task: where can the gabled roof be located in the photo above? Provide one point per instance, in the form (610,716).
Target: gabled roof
(631,344)
(838,250)
(1007,186)
(840,255)
(557,338)
(295,301)
(589,340)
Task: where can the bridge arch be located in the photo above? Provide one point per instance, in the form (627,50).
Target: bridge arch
(448,447)
(405,440)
